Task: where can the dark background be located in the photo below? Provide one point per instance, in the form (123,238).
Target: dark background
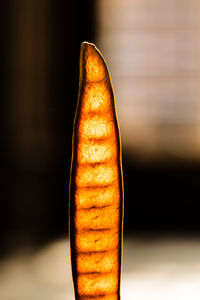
(40,44)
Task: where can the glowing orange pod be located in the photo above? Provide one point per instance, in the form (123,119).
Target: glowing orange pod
(96,186)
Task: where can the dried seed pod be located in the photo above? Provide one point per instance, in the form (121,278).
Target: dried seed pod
(96,185)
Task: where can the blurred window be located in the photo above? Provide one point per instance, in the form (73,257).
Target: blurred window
(152,48)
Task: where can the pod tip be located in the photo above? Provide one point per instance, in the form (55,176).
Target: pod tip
(92,63)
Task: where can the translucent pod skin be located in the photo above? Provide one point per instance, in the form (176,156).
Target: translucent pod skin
(96,185)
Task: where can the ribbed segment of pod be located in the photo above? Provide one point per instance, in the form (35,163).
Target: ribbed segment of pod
(96,185)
